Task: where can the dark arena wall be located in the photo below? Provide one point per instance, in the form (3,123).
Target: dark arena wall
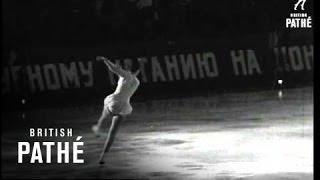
(70,75)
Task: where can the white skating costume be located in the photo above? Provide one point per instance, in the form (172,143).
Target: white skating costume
(119,101)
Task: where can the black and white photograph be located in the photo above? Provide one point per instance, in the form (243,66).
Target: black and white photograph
(157,89)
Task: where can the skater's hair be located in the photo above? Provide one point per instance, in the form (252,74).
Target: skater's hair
(136,72)
(134,68)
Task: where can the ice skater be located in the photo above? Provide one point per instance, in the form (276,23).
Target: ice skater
(117,105)
(300,2)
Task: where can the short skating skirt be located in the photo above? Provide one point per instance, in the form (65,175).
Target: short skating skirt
(117,106)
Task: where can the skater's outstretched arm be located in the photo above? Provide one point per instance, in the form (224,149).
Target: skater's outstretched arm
(115,68)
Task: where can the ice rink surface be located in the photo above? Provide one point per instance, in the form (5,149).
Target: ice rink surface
(248,135)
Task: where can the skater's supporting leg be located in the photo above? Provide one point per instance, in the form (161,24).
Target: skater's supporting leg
(111,135)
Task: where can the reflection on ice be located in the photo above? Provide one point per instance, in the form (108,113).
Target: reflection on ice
(239,153)
(253,135)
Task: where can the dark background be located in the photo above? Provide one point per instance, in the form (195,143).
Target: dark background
(42,31)
(77,22)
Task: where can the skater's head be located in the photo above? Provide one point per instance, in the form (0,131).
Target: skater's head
(135,73)
(134,69)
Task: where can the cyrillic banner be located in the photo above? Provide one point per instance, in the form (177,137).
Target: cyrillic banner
(49,76)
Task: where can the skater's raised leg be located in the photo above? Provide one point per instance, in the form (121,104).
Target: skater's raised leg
(104,116)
